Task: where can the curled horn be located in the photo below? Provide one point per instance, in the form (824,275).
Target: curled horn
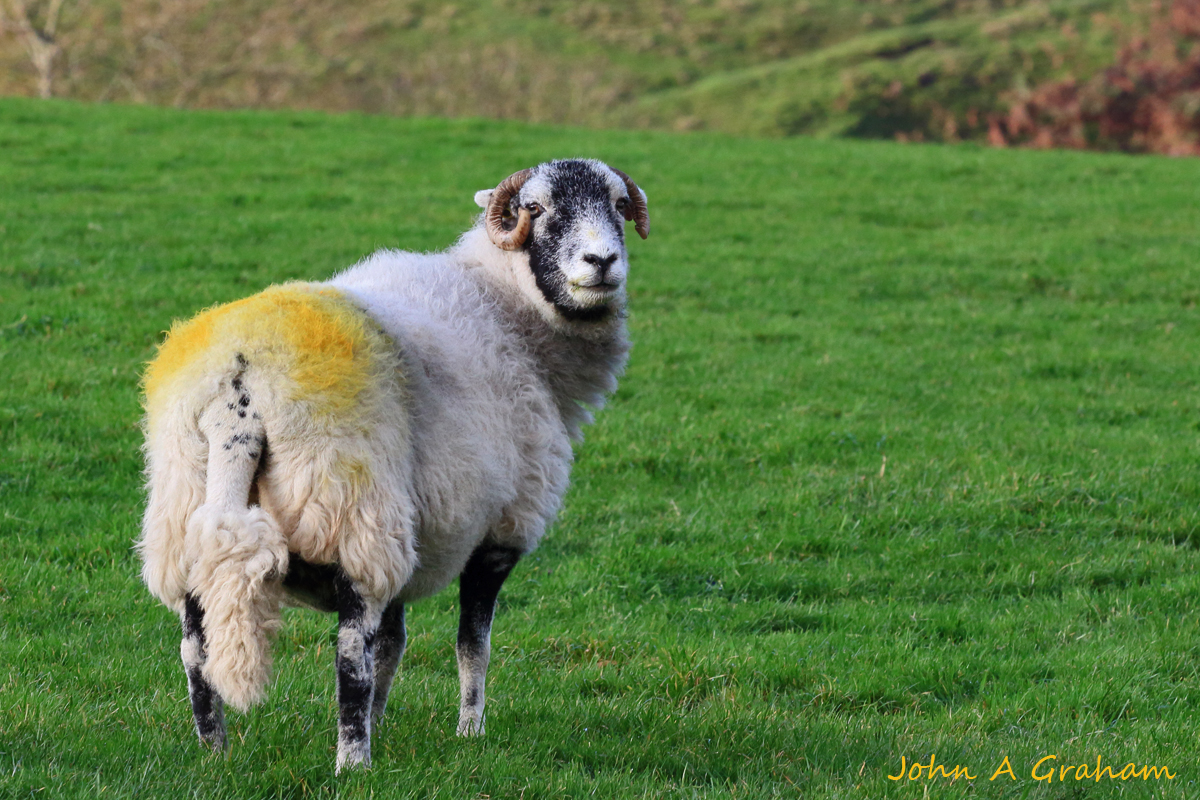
(502,195)
(638,210)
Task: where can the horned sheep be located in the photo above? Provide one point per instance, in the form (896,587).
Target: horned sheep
(355,445)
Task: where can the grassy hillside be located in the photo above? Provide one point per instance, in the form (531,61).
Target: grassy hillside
(771,67)
(930,75)
(903,466)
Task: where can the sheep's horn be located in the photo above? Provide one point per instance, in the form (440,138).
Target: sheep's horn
(493,217)
(638,211)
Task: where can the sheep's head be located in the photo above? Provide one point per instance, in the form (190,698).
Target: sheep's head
(569,216)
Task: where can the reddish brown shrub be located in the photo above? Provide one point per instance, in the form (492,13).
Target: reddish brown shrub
(1148,100)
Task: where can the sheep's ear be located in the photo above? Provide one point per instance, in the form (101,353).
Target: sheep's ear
(483,197)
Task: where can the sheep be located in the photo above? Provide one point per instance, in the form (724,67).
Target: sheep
(354,445)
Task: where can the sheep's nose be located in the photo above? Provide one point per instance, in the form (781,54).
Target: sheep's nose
(603,262)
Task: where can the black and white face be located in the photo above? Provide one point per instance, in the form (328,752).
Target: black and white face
(576,244)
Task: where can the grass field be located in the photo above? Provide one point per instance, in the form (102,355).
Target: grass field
(904,465)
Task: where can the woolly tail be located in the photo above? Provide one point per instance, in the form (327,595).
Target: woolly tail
(237,555)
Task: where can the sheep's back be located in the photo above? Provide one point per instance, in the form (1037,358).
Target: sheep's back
(325,349)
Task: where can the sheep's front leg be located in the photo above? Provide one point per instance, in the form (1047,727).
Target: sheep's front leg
(389,649)
(207,706)
(358,622)
(478,586)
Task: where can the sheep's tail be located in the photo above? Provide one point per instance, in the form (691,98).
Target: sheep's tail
(236,552)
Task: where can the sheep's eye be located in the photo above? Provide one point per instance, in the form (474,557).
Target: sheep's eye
(534,209)
(623,204)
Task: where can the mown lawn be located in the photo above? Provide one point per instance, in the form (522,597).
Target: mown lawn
(904,465)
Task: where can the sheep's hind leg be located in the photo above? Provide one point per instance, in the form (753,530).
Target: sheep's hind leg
(478,587)
(389,649)
(358,623)
(207,706)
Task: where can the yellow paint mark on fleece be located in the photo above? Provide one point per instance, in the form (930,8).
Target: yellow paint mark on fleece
(327,348)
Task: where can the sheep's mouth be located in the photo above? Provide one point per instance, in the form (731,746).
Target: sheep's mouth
(595,297)
(603,287)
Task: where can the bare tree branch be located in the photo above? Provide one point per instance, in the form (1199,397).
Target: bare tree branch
(41,42)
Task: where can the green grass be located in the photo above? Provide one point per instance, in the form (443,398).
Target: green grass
(739,598)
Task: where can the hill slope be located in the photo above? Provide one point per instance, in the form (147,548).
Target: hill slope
(774,67)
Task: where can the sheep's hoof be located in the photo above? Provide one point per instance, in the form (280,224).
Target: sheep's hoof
(352,762)
(378,708)
(470,724)
(214,741)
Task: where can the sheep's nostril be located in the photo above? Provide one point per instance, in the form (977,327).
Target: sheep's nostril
(603,262)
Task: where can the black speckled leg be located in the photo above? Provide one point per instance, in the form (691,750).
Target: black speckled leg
(389,649)
(358,623)
(478,587)
(207,706)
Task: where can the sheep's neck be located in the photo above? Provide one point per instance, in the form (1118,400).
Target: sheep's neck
(580,371)
(579,361)
(579,365)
